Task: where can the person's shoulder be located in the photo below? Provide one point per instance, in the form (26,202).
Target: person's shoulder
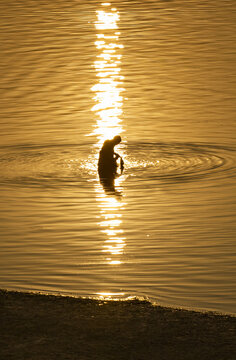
(106,144)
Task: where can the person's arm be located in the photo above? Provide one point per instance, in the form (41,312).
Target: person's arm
(117,156)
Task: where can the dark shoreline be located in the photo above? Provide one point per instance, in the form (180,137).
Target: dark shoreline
(48,327)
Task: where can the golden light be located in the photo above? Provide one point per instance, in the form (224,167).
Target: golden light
(108,89)
(110,223)
(107,20)
(107,107)
(110,295)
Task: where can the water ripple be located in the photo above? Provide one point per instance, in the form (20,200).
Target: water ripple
(173,161)
(149,161)
(45,165)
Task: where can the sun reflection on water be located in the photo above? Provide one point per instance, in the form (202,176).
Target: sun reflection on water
(109,87)
(110,223)
(108,102)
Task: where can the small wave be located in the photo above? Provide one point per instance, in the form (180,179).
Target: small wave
(173,161)
(68,164)
(46,165)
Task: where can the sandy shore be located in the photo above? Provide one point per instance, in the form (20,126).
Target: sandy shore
(41,327)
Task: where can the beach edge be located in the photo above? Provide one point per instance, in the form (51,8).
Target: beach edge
(44,326)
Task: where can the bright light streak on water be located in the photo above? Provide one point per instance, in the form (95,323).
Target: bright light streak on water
(108,90)
(108,109)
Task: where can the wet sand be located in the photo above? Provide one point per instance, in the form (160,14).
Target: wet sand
(47,327)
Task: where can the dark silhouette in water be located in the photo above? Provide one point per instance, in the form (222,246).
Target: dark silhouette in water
(107,164)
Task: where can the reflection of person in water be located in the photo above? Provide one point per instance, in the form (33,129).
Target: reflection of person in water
(107,163)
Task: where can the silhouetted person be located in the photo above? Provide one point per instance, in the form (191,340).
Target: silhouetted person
(107,163)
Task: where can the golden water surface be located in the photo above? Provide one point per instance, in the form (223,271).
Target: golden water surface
(162,75)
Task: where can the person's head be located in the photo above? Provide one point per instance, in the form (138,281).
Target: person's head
(116,140)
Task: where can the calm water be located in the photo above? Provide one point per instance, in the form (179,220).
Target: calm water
(161,74)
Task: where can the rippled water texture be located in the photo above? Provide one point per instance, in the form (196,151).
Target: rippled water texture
(162,75)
